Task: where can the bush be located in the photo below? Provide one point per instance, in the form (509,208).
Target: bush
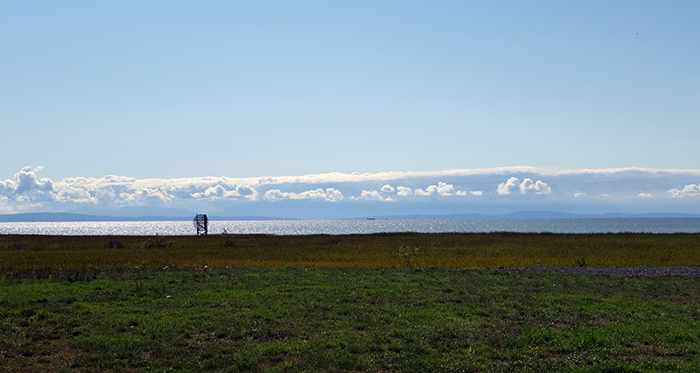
(158,242)
(114,244)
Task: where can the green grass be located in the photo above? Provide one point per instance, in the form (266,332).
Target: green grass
(387,302)
(396,250)
(300,319)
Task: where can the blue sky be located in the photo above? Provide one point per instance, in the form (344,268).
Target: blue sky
(225,93)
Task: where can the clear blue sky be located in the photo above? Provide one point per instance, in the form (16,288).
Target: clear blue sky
(174,89)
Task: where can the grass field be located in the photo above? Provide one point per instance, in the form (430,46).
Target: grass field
(394,250)
(345,303)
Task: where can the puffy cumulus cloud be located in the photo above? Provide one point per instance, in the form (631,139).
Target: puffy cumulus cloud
(442,189)
(118,191)
(538,187)
(403,191)
(372,195)
(153,194)
(527,186)
(247,191)
(644,195)
(274,195)
(507,187)
(388,189)
(224,190)
(72,193)
(121,191)
(220,192)
(26,186)
(690,190)
(579,194)
(108,190)
(329,194)
(472,192)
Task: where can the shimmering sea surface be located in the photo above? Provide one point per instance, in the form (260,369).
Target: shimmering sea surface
(335,227)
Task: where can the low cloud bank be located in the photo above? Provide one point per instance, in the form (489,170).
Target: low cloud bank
(26,191)
(329,195)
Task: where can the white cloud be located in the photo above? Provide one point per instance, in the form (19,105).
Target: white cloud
(538,187)
(442,189)
(26,186)
(120,191)
(273,195)
(372,195)
(403,191)
(26,191)
(247,191)
(527,186)
(339,177)
(508,186)
(421,192)
(329,194)
(220,192)
(644,195)
(78,194)
(472,192)
(217,191)
(153,194)
(690,190)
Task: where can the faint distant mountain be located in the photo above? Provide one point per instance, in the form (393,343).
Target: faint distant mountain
(540,215)
(649,215)
(564,215)
(242,214)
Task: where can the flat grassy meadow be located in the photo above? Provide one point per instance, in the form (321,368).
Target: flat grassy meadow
(390,250)
(399,302)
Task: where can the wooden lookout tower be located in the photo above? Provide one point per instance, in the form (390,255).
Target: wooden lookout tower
(201,223)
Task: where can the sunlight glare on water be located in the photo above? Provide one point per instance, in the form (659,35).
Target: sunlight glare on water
(306,227)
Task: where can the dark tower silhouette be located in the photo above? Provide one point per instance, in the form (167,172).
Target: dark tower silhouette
(202,224)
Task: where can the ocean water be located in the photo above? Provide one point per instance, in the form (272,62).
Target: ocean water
(335,227)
